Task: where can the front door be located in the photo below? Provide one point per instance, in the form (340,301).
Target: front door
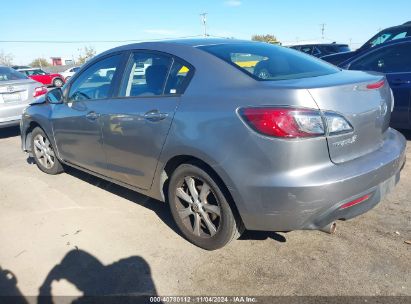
(77,122)
(136,124)
(395,61)
(400,84)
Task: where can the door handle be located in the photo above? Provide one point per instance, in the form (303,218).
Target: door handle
(154,115)
(401,81)
(92,115)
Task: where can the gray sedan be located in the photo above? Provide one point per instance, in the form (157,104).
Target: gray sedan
(16,92)
(232,134)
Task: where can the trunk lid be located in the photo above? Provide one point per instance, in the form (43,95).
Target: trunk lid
(368,110)
(17,91)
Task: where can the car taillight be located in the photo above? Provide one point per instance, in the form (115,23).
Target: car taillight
(337,124)
(39,91)
(294,122)
(284,122)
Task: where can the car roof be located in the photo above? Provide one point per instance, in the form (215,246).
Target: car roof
(196,42)
(181,42)
(30,69)
(404,25)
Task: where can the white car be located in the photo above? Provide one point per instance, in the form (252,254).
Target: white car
(69,72)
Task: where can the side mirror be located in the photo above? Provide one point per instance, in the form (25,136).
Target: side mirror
(55,96)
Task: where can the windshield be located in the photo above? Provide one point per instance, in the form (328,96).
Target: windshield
(264,61)
(7,74)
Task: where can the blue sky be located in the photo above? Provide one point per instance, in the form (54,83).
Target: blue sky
(95,20)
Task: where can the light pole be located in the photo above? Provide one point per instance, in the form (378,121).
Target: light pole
(204,21)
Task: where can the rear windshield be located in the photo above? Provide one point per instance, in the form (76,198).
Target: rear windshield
(7,74)
(264,61)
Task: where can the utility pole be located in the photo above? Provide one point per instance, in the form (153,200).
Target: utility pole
(322,30)
(204,21)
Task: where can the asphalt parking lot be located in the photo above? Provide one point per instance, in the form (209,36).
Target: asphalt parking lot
(105,238)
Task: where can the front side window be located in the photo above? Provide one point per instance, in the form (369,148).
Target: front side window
(268,62)
(96,81)
(392,59)
(39,72)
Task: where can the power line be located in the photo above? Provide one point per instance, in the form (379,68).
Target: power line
(95,41)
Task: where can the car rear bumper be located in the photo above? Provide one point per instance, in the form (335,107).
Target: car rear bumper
(10,114)
(10,123)
(311,200)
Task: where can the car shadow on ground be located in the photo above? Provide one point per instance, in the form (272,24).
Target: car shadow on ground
(9,132)
(127,277)
(160,208)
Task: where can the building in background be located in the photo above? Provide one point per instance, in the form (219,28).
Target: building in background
(61,61)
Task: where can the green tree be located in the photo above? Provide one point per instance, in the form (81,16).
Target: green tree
(85,54)
(268,38)
(40,62)
(6,59)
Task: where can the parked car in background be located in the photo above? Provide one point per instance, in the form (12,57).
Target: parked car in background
(19,67)
(392,33)
(394,60)
(296,147)
(16,92)
(48,79)
(322,49)
(69,73)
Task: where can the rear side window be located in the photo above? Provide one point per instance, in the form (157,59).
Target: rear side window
(268,62)
(392,59)
(385,36)
(146,75)
(179,78)
(7,74)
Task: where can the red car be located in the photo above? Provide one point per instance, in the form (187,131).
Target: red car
(45,78)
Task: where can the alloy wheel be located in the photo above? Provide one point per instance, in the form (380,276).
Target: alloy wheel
(198,207)
(44,151)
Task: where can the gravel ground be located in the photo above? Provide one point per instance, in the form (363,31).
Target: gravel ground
(107,239)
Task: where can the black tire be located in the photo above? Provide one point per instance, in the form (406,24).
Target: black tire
(43,163)
(58,82)
(226,226)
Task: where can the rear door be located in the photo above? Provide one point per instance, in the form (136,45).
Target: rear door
(135,125)
(395,61)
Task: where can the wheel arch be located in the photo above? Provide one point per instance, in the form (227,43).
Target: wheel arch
(58,77)
(28,135)
(173,163)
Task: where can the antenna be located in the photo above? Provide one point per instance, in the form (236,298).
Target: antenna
(203,17)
